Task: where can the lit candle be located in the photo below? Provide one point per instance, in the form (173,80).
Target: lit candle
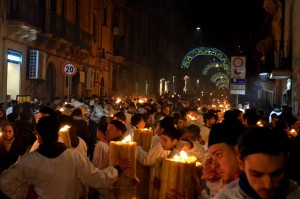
(143,137)
(175,174)
(123,149)
(259,123)
(293,132)
(64,134)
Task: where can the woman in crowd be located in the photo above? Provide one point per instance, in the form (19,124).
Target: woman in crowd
(11,146)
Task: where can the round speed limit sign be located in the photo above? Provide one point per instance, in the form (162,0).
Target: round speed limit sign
(69,69)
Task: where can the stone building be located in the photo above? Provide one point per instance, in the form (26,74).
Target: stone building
(280,50)
(118,46)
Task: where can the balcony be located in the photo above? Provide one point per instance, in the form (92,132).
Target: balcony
(27,18)
(59,27)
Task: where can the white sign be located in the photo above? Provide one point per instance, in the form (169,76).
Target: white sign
(237,86)
(69,69)
(238,92)
(238,68)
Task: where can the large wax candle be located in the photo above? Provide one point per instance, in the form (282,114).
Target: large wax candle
(64,134)
(120,150)
(143,137)
(175,174)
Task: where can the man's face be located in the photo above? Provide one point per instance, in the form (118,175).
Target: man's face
(167,143)
(108,106)
(224,161)
(181,123)
(219,114)
(112,132)
(131,109)
(8,132)
(210,122)
(264,173)
(166,110)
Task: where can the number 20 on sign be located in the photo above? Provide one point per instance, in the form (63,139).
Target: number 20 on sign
(69,69)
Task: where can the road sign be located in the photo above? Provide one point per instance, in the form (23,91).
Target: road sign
(69,69)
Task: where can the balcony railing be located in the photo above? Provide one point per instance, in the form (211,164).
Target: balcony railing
(26,11)
(33,14)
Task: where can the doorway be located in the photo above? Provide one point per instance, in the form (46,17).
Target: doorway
(14,60)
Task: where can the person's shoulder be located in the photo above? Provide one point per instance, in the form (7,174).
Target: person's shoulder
(229,191)
(294,190)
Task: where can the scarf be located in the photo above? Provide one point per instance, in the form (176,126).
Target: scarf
(245,186)
(51,150)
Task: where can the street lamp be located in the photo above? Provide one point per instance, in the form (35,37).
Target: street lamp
(166,86)
(161,86)
(173,84)
(185,83)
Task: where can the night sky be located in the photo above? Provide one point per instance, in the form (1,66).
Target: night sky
(224,24)
(232,26)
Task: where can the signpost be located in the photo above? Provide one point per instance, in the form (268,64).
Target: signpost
(238,77)
(69,69)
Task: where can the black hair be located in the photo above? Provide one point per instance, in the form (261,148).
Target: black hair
(226,132)
(76,112)
(167,122)
(49,111)
(120,116)
(48,128)
(263,140)
(102,126)
(136,118)
(194,130)
(119,125)
(208,116)
(173,133)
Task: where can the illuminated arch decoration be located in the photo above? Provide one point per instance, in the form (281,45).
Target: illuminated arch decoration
(210,66)
(222,81)
(217,76)
(206,51)
(223,86)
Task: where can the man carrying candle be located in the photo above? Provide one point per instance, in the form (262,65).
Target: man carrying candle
(222,162)
(169,139)
(263,157)
(53,171)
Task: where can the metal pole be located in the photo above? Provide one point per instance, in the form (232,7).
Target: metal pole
(69,80)
(237,101)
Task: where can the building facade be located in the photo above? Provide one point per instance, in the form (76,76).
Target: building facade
(280,51)
(117,46)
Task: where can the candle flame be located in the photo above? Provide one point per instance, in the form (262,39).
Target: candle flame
(191,117)
(61,109)
(176,158)
(65,128)
(183,155)
(293,132)
(118,100)
(126,139)
(259,123)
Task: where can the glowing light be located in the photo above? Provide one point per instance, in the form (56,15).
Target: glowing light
(65,128)
(213,65)
(118,100)
(126,139)
(206,51)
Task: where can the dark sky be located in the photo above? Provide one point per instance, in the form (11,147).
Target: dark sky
(225,23)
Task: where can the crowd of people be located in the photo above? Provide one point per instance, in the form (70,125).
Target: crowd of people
(243,153)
